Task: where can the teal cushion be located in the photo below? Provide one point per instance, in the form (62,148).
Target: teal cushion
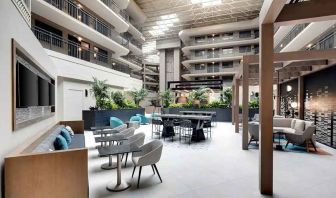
(135,119)
(60,143)
(115,122)
(144,120)
(66,134)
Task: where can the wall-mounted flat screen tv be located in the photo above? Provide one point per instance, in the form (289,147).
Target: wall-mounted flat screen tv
(51,94)
(43,96)
(26,87)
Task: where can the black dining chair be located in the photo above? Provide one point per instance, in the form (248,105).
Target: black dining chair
(168,124)
(156,127)
(186,130)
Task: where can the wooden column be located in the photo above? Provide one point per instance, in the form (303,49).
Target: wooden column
(236,109)
(301,97)
(233,102)
(245,87)
(266,69)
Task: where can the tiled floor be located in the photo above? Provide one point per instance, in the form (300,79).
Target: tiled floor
(218,167)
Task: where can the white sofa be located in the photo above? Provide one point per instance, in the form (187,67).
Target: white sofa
(298,132)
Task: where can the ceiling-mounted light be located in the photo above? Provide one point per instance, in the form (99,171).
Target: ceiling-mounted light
(79,38)
(309,45)
(207,3)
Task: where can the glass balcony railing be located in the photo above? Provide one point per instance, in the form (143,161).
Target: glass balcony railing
(76,11)
(297,29)
(326,42)
(57,43)
(222,39)
(115,8)
(223,55)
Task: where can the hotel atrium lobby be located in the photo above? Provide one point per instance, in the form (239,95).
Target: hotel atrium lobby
(168,98)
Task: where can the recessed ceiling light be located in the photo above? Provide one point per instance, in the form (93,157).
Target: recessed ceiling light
(309,45)
(207,3)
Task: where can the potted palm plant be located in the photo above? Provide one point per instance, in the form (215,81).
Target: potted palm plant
(99,88)
(199,96)
(138,95)
(167,98)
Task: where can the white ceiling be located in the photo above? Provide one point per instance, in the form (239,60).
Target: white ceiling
(165,18)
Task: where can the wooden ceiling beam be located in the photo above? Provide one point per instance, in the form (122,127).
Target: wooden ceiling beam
(270,10)
(306,12)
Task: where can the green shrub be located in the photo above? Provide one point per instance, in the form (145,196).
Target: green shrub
(129,104)
(254,103)
(118,98)
(189,104)
(177,105)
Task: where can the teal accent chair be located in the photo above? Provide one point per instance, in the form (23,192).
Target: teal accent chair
(135,122)
(135,119)
(144,119)
(115,122)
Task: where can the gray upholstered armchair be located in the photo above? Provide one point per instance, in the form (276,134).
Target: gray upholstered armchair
(150,154)
(136,140)
(302,137)
(127,132)
(253,129)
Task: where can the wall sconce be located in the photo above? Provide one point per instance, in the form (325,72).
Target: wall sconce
(289,88)
(294,105)
(95,55)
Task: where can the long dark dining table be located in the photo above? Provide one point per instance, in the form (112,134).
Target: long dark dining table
(197,121)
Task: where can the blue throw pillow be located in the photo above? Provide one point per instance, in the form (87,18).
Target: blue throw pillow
(60,143)
(66,134)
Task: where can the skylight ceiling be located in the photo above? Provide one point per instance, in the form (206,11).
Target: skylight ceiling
(165,18)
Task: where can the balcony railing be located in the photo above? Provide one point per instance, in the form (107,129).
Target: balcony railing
(24,7)
(76,11)
(115,8)
(297,29)
(326,42)
(134,59)
(57,43)
(222,39)
(223,55)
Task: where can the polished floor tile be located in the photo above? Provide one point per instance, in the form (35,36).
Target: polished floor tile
(217,167)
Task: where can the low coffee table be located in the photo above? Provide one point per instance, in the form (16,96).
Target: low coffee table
(280,133)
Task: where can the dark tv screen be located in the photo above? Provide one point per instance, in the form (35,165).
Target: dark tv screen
(26,87)
(43,96)
(51,94)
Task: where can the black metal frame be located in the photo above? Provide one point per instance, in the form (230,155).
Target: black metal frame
(193,84)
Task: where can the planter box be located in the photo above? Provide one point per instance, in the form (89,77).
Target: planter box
(222,114)
(102,117)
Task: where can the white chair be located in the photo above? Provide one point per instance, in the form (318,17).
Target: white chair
(253,129)
(150,154)
(135,140)
(302,137)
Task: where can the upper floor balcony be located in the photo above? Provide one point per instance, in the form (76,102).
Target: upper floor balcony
(81,51)
(295,31)
(224,37)
(230,52)
(73,16)
(115,8)
(24,7)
